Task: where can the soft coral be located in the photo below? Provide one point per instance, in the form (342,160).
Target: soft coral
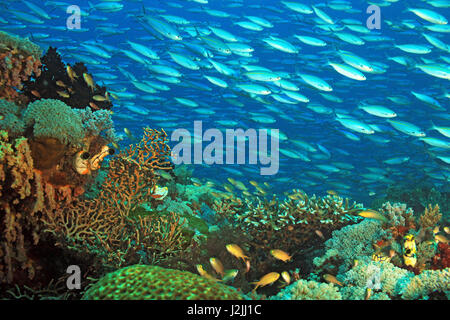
(442,259)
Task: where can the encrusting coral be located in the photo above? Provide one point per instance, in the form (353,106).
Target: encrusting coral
(143,282)
(19,59)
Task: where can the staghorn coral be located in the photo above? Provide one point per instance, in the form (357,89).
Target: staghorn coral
(309,290)
(19,59)
(398,213)
(54,82)
(141,282)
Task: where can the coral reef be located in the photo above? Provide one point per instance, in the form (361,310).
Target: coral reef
(143,282)
(51,118)
(10,118)
(19,59)
(309,290)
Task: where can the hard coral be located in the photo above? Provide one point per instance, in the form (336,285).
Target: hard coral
(55,82)
(430,217)
(10,118)
(309,290)
(19,58)
(142,282)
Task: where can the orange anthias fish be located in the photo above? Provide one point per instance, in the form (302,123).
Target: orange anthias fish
(236,251)
(217,266)
(267,279)
(332,279)
(203,272)
(280,255)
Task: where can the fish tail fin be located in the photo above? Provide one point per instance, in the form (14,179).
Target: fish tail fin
(91,6)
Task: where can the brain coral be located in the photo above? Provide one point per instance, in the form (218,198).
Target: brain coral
(54,119)
(143,282)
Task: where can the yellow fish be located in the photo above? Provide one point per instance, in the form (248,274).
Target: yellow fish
(72,75)
(447,230)
(441,238)
(217,266)
(99,98)
(280,255)
(236,251)
(63,94)
(332,279)
(89,81)
(267,279)
(59,83)
(203,272)
(372,214)
(286,277)
(332,192)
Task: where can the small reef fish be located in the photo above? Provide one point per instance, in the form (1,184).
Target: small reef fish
(372,214)
(441,238)
(236,251)
(230,275)
(286,277)
(89,81)
(217,266)
(266,280)
(71,73)
(204,273)
(280,255)
(331,279)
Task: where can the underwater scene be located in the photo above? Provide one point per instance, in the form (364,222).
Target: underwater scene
(224,150)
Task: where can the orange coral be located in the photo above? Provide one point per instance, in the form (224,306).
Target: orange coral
(132,177)
(18,60)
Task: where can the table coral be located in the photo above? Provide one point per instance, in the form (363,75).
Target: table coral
(142,282)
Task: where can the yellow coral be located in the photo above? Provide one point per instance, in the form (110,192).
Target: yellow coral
(430,217)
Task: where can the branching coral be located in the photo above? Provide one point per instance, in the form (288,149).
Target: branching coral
(430,217)
(292,223)
(132,177)
(19,58)
(103,226)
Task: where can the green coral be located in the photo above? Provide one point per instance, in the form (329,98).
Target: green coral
(53,118)
(429,281)
(10,118)
(25,45)
(382,276)
(355,241)
(309,290)
(143,282)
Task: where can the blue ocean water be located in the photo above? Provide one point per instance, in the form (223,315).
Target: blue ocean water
(318,153)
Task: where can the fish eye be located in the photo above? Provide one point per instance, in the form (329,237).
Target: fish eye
(85,155)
